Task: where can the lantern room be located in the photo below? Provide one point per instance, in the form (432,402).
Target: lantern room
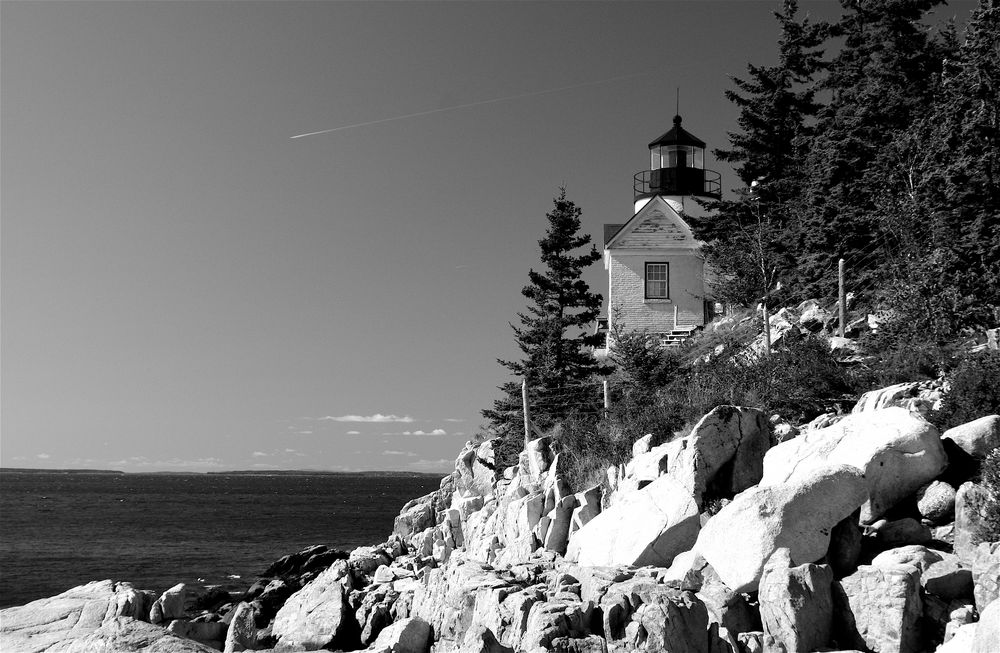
(677,168)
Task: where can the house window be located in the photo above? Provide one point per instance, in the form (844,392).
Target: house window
(657,275)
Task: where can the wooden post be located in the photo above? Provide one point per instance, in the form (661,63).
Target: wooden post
(842,297)
(675,317)
(767,328)
(527,414)
(607,398)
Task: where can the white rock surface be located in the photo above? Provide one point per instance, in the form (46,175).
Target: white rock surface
(798,515)
(881,608)
(897,451)
(647,527)
(312,618)
(978,437)
(411,635)
(98,616)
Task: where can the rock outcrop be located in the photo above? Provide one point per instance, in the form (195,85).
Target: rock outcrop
(98,616)
(798,515)
(664,555)
(897,451)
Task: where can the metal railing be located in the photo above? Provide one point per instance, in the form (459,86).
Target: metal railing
(677,181)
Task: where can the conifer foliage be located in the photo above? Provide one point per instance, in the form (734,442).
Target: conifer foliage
(552,332)
(886,154)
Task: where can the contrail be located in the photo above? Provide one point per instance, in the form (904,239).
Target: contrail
(470,104)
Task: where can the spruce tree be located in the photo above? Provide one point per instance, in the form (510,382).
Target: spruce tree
(880,82)
(748,242)
(941,199)
(553,333)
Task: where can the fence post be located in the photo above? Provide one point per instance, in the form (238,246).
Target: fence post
(527,414)
(607,399)
(842,299)
(767,328)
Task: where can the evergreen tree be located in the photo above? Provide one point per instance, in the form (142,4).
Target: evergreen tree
(941,202)
(880,82)
(553,333)
(748,242)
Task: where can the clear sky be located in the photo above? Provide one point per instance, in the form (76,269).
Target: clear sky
(187,287)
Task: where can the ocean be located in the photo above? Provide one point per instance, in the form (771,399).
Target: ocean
(62,529)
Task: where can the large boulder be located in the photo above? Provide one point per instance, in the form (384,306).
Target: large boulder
(978,437)
(411,635)
(798,515)
(987,630)
(647,527)
(98,616)
(242,634)
(796,606)
(550,620)
(936,502)
(671,620)
(879,609)
(316,616)
(968,520)
(724,452)
(898,452)
(476,470)
(986,573)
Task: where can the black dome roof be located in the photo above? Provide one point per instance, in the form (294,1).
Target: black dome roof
(677,136)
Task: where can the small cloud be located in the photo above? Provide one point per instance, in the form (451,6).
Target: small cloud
(434,432)
(391,452)
(258,454)
(458,433)
(377,417)
(289,450)
(453,419)
(19,458)
(43,456)
(304,432)
(441,465)
(354,433)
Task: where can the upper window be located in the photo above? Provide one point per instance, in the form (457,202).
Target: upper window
(657,276)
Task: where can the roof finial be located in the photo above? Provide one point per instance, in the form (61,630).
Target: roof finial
(677,113)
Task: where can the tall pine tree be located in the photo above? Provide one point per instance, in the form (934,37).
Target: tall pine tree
(880,82)
(941,199)
(553,332)
(748,242)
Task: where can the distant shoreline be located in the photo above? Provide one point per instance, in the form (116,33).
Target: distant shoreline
(255,472)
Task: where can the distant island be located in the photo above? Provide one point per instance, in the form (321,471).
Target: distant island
(245,472)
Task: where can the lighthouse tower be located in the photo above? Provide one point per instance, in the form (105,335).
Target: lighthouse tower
(656,274)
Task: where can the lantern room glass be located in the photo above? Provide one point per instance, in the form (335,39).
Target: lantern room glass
(676,156)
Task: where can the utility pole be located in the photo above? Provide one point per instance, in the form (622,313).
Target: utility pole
(842,297)
(767,327)
(527,414)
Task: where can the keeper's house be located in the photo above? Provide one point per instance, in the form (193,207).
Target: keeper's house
(656,274)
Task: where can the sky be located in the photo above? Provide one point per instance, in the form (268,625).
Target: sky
(189,284)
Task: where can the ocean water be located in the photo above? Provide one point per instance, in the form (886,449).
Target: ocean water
(59,529)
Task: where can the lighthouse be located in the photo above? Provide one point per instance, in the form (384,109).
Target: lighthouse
(656,273)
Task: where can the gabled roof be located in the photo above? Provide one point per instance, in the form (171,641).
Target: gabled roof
(661,214)
(677,136)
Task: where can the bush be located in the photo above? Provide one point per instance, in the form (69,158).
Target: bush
(800,380)
(974,389)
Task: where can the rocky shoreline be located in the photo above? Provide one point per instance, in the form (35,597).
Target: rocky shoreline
(853,532)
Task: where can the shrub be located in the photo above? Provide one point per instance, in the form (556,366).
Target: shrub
(974,389)
(799,380)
